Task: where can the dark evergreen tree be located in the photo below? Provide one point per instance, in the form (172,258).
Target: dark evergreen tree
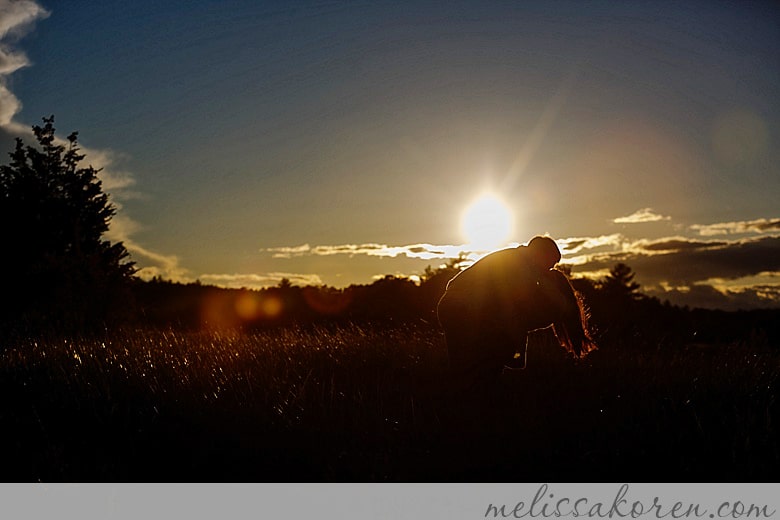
(53,215)
(620,284)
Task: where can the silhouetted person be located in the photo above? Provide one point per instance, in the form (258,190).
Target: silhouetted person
(489,308)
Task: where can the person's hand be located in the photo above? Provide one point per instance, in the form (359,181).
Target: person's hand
(516,363)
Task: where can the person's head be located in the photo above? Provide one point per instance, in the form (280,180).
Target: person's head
(544,252)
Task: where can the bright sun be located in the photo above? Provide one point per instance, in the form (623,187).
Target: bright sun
(487,222)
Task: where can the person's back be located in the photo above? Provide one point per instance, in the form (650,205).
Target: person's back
(495,280)
(484,310)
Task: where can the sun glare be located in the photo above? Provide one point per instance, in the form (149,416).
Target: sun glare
(487,223)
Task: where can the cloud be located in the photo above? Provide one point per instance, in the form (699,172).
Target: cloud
(640,216)
(17,18)
(724,274)
(154,264)
(676,266)
(761,225)
(576,245)
(696,263)
(420,251)
(363,249)
(674,244)
(425,251)
(258,281)
(17,15)
(288,252)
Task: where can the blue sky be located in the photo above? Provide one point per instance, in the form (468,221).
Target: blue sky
(332,142)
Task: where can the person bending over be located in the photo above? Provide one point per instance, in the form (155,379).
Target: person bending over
(488,309)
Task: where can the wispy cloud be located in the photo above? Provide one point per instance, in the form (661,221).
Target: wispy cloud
(761,225)
(154,264)
(640,216)
(289,252)
(258,281)
(587,246)
(570,246)
(425,251)
(17,18)
(420,251)
(117,182)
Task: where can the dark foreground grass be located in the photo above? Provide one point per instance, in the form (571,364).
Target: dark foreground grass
(370,403)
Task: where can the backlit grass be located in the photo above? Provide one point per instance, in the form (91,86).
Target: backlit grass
(371,403)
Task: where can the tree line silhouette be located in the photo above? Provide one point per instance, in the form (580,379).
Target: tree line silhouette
(63,275)
(620,313)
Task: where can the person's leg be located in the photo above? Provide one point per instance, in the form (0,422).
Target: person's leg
(478,345)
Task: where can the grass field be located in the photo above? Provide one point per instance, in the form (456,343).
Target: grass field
(370,403)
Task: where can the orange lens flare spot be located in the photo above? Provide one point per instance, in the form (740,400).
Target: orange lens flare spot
(247,307)
(271,306)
